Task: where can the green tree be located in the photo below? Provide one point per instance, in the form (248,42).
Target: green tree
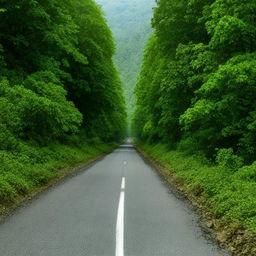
(197,84)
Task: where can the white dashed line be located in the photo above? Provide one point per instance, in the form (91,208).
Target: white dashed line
(120,226)
(123,183)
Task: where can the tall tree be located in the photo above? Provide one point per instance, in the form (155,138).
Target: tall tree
(202,97)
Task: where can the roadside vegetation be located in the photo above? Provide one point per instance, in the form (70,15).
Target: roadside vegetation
(35,166)
(196,105)
(226,189)
(60,94)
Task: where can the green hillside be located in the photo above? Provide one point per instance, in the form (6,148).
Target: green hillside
(130,24)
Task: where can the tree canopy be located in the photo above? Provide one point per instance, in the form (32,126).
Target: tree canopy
(57,74)
(197,87)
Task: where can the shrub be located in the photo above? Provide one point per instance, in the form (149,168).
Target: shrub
(7,140)
(227,159)
(38,111)
(39,175)
(10,162)
(7,192)
(17,182)
(247,173)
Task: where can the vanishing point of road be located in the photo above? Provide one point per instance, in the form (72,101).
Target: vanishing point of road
(117,207)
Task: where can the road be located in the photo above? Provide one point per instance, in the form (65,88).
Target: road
(119,206)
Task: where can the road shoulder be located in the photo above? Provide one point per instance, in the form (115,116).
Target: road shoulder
(62,175)
(232,237)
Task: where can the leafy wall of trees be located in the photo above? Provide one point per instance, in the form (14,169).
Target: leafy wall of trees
(197,87)
(57,73)
(60,94)
(196,104)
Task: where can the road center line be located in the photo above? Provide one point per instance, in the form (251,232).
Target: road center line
(123,183)
(120,226)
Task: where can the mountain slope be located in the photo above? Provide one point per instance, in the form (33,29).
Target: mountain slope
(130,24)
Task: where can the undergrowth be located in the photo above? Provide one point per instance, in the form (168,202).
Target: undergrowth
(228,188)
(31,166)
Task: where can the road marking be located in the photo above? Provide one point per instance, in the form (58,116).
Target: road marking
(123,183)
(120,226)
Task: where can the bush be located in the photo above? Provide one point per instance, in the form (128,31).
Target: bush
(10,162)
(39,111)
(7,192)
(17,182)
(38,175)
(247,173)
(7,140)
(227,159)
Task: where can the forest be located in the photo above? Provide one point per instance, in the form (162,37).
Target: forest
(195,101)
(130,24)
(61,98)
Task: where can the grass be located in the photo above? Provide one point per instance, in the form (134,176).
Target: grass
(31,167)
(228,191)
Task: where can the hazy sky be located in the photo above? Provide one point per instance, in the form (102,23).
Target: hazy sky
(126,14)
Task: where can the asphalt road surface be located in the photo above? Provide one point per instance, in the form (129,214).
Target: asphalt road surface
(119,206)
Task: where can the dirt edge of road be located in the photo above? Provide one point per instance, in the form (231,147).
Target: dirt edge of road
(230,236)
(62,176)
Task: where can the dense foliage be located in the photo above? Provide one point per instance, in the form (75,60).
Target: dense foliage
(63,48)
(130,23)
(57,79)
(196,90)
